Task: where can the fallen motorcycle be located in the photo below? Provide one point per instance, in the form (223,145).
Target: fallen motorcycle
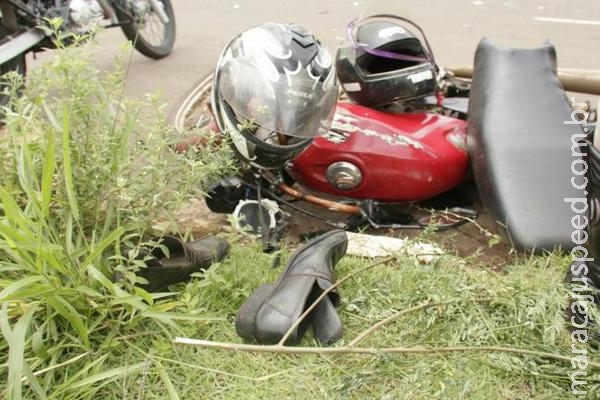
(407,141)
(372,165)
(149,24)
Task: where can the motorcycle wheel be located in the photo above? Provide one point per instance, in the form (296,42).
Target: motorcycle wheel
(149,35)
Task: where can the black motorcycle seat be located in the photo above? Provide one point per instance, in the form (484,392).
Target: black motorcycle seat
(521,150)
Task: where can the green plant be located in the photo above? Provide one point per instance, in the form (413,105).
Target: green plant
(85,172)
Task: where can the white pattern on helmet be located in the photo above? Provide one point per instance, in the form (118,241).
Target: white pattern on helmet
(313,77)
(289,74)
(324,59)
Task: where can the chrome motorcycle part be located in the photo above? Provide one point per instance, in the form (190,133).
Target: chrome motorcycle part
(250,215)
(344,175)
(85,14)
(159,9)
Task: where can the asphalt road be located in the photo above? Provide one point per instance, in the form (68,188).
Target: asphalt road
(454,27)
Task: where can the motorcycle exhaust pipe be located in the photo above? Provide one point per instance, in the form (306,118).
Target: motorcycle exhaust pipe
(571,81)
(330,205)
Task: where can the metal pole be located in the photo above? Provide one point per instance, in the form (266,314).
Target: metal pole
(571,81)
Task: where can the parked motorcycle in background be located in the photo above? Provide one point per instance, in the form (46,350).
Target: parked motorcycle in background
(149,24)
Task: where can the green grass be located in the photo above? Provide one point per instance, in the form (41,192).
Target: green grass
(87,171)
(525,311)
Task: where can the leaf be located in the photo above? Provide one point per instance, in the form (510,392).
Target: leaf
(84,371)
(103,245)
(26,172)
(164,376)
(147,297)
(33,383)
(67,165)
(47,175)
(50,116)
(37,344)
(494,240)
(133,301)
(100,277)
(88,291)
(12,212)
(16,348)
(182,317)
(68,312)
(110,375)
(18,285)
(32,292)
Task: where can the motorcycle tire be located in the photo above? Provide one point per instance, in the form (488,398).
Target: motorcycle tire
(135,31)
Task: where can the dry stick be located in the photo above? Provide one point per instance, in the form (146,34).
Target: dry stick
(325,293)
(370,351)
(70,361)
(422,306)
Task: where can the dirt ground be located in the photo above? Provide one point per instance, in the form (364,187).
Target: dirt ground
(470,241)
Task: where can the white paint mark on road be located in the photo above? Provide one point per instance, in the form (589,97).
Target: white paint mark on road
(567,21)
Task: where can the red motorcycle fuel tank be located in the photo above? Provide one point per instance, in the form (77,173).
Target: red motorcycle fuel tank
(369,154)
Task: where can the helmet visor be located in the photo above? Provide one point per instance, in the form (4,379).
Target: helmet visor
(393,25)
(293,102)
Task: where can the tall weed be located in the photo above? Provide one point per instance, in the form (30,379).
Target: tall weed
(85,172)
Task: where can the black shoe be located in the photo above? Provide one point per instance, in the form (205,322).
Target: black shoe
(184,259)
(273,308)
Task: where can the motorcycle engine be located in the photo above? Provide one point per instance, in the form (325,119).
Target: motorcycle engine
(85,14)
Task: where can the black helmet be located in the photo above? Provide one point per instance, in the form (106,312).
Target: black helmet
(274,90)
(385,62)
